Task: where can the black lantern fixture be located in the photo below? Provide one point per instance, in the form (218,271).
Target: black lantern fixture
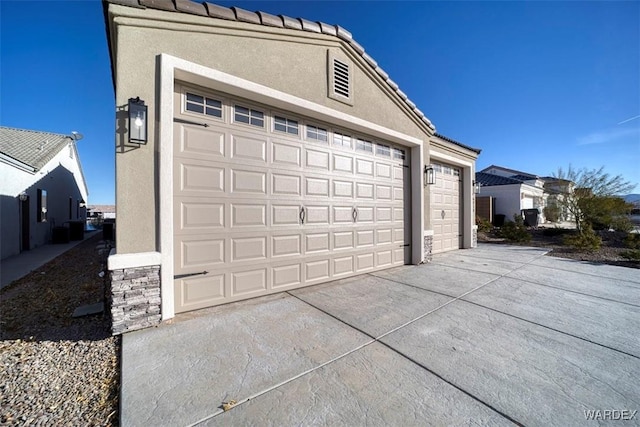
(137,121)
(476,187)
(429,175)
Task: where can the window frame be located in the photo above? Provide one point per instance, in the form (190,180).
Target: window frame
(205,97)
(316,129)
(249,115)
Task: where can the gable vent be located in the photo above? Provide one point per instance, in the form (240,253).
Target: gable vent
(341,78)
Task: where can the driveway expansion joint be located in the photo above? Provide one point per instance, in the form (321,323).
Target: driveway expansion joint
(374,340)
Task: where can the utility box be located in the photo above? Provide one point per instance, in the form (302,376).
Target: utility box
(76,230)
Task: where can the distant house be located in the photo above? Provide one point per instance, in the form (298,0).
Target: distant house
(512,191)
(42,186)
(556,190)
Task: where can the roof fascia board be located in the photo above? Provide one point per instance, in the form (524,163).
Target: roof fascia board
(445,146)
(17,163)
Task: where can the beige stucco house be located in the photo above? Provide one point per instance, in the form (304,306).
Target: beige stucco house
(278,155)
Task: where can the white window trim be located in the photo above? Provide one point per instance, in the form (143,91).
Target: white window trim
(206,94)
(172,69)
(250,107)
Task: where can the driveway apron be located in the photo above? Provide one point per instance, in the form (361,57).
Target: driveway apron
(488,336)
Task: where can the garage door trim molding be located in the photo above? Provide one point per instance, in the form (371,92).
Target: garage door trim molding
(468,172)
(173,68)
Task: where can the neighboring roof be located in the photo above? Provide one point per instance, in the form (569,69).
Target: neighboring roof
(102,208)
(524,175)
(30,147)
(488,179)
(214,11)
(475,150)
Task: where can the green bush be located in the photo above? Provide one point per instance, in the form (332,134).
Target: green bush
(621,223)
(587,241)
(632,241)
(631,255)
(515,231)
(484,225)
(551,213)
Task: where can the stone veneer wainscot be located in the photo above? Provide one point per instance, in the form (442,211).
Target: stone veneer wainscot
(135,298)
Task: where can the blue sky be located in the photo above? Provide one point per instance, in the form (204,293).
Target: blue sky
(535,85)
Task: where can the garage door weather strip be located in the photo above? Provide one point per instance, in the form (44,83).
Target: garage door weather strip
(373,340)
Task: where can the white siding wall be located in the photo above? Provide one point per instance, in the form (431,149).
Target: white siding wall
(61,178)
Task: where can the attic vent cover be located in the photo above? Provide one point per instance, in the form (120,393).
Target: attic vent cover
(341,78)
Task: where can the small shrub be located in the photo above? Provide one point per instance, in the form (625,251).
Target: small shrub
(515,231)
(631,255)
(621,223)
(552,232)
(588,241)
(551,213)
(632,241)
(484,225)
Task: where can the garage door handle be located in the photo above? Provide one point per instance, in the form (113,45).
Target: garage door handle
(302,214)
(354,214)
(183,276)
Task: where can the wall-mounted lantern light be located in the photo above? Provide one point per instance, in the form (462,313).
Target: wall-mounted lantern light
(23,196)
(137,121)
(82,203)
(429,175)
(476,187)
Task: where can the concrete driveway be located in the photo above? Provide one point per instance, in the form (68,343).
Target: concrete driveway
(491,336)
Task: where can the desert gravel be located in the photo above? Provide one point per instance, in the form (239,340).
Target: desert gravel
(56,369)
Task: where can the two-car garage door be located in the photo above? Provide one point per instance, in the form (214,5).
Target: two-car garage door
(266,201)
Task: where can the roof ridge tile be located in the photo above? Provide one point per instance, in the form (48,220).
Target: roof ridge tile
(292,23)
(282,21)
(270,20)
(188,6)
(216,11)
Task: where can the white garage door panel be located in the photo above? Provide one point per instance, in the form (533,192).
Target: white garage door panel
(240,197)
(445,210)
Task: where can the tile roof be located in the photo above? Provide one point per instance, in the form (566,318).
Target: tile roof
(524,177)
(514,171)
(488,179)
(453,141)
(31,147)
(261,18)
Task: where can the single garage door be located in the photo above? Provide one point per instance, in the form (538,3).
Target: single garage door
(446,208)
(266,201)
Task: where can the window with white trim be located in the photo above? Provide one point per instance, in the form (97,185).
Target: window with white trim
(317,133)
(341,140)
(383,150)
(364,145)
(282,124)
(248,116)
(398,154)
(203,105)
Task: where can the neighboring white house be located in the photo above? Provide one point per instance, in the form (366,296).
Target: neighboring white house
(512,190)
(42,186)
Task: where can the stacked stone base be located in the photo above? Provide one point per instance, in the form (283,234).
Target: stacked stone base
(428,248)
(135,298)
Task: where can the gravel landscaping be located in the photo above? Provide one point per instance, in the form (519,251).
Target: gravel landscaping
(56,369)
(613,245)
